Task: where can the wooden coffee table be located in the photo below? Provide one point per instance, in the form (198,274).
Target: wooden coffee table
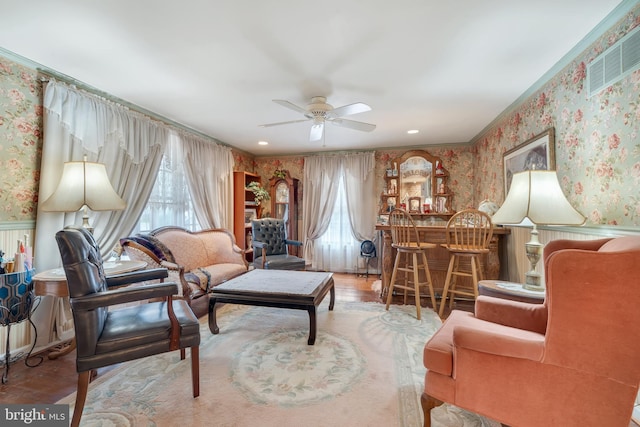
(299,290)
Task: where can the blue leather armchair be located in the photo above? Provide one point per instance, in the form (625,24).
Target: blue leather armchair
(271,246)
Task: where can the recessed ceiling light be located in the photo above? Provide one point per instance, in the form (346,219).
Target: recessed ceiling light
(263,143)
(412,131)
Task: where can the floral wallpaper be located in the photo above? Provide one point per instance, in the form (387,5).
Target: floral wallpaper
(243,162)
(597,143)
(458,161)
(20,141)
(597,138)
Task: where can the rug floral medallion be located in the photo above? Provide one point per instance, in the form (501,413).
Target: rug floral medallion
(364,369)
(277,370)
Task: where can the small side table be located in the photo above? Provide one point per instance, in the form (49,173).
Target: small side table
(509,290)
(54,283)
(16,302)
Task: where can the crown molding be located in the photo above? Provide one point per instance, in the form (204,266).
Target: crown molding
(606,24)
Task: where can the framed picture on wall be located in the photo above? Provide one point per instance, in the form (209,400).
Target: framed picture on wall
(249,215)
(536,153)
(414,204)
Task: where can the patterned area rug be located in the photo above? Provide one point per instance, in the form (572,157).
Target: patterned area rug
(365,369)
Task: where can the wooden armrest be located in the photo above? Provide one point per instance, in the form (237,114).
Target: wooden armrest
(130,247)
(172,266)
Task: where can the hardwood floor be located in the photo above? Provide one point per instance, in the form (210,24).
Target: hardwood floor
(54,379)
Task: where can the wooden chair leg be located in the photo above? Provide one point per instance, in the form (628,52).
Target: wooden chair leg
(454,281)
(81,397)
(394,274)
(427,273)
(474,275)
(456,271)
(195,370)
(416,284)
(183,353)
(428,403)
(405,283)
(447,283)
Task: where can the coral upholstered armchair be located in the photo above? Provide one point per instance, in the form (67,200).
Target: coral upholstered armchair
(572,361)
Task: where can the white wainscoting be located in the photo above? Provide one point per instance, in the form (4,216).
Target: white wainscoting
(517,262)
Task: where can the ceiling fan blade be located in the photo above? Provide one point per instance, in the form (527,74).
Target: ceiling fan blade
(283,123)
(316,132)
(291,106)
(366,127)
(350,109)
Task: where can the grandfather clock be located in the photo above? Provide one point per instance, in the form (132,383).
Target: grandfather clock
(284,201)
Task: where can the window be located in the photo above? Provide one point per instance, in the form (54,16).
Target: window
(170,200)
(337,250)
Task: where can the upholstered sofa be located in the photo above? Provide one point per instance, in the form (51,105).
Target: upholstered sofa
(197,260)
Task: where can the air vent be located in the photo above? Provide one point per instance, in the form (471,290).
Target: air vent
(614,63)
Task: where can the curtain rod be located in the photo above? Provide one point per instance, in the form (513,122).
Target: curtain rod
(46,74)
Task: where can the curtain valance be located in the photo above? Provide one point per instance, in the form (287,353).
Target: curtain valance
(95,121)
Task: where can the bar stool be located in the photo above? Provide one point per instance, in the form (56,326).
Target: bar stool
(411,256)
(468,235)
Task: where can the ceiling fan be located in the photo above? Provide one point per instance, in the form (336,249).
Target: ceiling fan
(319,112)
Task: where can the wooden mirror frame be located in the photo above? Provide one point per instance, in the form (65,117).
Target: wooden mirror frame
(429,158)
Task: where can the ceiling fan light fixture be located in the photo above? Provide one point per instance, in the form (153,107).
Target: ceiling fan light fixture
(319,112)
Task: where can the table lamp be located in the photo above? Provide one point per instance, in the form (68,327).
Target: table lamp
(84,184)
(535,198)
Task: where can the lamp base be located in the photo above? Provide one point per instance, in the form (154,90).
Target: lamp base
(533,281)
(534,250)
(85,220)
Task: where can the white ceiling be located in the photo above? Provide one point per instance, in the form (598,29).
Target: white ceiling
(446,68)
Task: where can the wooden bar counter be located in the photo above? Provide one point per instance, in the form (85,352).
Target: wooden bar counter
(438,258)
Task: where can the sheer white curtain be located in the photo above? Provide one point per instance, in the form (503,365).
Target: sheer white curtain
(337,249)
(209,168)
(134,183)
(348,217)
(320,191)
(360,196)
(169,202)
(129,144)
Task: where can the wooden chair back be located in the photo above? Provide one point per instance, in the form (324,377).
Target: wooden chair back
(403,229)
(469,230)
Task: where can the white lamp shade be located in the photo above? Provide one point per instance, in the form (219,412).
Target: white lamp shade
(84,184)
(536,195)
